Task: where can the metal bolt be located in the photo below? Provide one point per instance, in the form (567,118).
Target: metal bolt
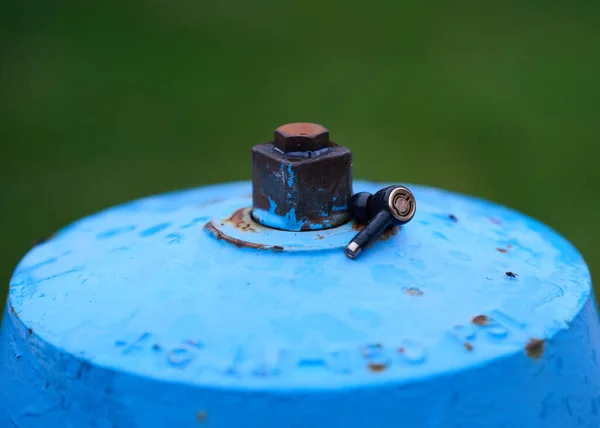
(301,137)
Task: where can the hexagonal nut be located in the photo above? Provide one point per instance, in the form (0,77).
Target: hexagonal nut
(301,193)
(301,137)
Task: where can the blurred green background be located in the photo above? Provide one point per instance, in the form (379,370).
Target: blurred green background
(100,104)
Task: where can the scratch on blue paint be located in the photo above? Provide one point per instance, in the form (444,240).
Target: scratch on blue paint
(290,176)
(114,232)
(68,272)
(36,266)
(154,230)
(195,221)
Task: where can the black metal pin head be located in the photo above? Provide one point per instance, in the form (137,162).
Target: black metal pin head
(393,205)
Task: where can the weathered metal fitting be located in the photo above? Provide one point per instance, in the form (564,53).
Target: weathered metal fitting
(301,181)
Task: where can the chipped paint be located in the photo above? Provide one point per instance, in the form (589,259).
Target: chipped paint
(358,226)
(377,367)
(389,232)
(242,220)
(239,243)
(290,180)
(336,208)
(534,348)
(286,222)
(480,320)
(201,416)
(272,219)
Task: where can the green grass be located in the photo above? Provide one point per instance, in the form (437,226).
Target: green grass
(102,104)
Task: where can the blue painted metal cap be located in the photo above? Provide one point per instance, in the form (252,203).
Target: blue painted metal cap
(180,310)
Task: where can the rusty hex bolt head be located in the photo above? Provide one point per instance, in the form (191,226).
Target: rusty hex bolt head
(301,137)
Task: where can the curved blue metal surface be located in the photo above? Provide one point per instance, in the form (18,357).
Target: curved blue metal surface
(472,315)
